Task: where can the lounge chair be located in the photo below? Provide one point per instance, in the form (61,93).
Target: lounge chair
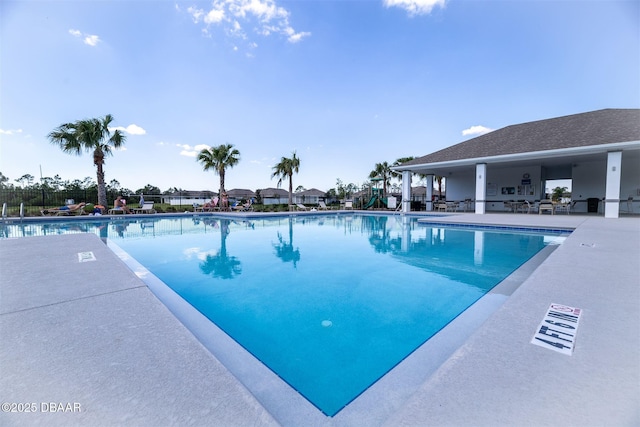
(116,211)
(208,207)
(147,207)
(246,207)
(546,205)
(301,207)
(348,204)
(322,206)
(77,209)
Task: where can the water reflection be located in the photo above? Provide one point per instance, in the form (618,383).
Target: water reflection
(285,250)
(221,265)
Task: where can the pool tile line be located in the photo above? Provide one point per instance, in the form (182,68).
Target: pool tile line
(497,227)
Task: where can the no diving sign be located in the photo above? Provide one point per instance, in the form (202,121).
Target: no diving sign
(558,329)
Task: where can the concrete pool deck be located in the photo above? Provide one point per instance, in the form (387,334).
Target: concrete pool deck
(87,343)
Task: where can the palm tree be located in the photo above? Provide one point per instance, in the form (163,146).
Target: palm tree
(383,170)
(285,169)
(219,158)
(90,135)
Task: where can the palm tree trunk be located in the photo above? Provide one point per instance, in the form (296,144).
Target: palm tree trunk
(290,189)
(221,173)
(102,190)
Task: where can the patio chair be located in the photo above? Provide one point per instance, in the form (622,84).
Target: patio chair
(348,204)
(147,207)
(546,205)
(564,207)
(441,206)
(301,207)
(525,206)
(322,206)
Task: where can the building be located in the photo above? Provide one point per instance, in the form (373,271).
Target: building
(598,151)
(309,197)
(188,198)
(274,196)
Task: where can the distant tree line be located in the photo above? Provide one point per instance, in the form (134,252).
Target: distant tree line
(98,138)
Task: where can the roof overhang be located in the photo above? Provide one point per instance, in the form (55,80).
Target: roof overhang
(530,156)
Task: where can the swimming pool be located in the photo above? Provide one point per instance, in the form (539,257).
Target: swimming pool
(330,303)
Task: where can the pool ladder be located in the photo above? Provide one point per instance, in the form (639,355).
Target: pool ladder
(4,210)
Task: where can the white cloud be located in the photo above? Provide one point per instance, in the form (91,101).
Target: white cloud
(215,16)
(476,130)
(10,131)
(264,16)
(131,129)
(89,39)
(415,7)
(190,151)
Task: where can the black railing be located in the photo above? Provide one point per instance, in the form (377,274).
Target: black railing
(34,200)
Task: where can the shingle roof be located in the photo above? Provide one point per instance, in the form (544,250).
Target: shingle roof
(240,192)
(578,130)
(311,192)
(273,192)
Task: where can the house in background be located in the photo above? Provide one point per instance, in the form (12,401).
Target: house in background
(188,198)
(598,151)
(238,194)
(308,197)
(274,196)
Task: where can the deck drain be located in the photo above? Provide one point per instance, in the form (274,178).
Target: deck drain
(588,245)
(86,256)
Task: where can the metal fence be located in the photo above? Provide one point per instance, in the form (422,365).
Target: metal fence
(34,201)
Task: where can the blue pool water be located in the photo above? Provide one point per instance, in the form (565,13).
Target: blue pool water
(328,303)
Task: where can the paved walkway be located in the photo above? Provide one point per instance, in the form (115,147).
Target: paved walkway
(87,343)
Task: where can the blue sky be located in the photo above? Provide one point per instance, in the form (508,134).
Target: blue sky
(345,84)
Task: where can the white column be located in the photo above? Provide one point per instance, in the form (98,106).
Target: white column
(429,195)
(481,187)
(612,195)
(406,191)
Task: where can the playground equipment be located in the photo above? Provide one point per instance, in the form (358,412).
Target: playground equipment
(388,202)
(372,201)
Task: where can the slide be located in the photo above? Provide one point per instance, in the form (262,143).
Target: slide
(373,200)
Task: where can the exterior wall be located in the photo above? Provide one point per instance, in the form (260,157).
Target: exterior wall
(307,199)
(461,185)
(589,180)
(186,201)
(275,200)
(630,185)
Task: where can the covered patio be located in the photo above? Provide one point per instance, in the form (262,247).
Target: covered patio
(506,170)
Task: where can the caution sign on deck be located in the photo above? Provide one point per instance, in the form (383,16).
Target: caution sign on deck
(558,329)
